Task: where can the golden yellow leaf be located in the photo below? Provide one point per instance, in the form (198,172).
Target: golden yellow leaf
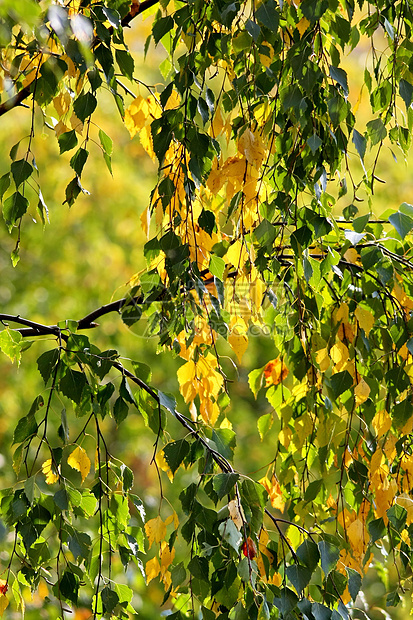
(60,128)
(136,115)
(80,461)
(381,423)
(162,464)
(302,25)
(357,537)
(323,359)
(365,319)
(167,557)
(339,354)
(352,256)
(173,517)
(274,372)
(155,530)
(274,492)
(4,601)
(49,472)
(152,569)
(361,392)
(252,147)
(238,340)
(236,514)
(145,136)
(341,314)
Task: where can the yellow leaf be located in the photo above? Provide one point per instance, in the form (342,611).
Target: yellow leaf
(356,536)
(136,115)
(173,517)
(252,147)
(302,25)
(274,372)
(341,314)
(167,557)
(361,392)
(236,514)
(352,256)
(365,319)
(49,472)
(323,359)
(162,464)
(381,423)
(274,492)
(4,601)
(155,530)
(145,137)
(80,461)
(152,569)
(238,340)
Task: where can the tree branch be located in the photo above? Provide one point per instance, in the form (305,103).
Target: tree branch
(25,92)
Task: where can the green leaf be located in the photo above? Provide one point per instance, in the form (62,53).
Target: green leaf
(340,76)
(376,131)
(78,160)
(125,62)
(230,534)
(377,529)
(83,107)
(14,207)
(68,587)
(329,554)
(106,142)
(142,371)
(397,516)
(406,92)
(175,452)
(217,266)
(264,424)
(11,344)
(47,362)
(4,184)
(79,544)
(354,582)
(299,576)
(120,410)
(314,142)
(198,567)
(339,383)
(72,385)
(161,27)
(21,170)
(109,599)
(167,401)
(308,553)
(360,143)
(67,141)
(286,601)
(224,483)
(268,15)
(178,575)
(402,223)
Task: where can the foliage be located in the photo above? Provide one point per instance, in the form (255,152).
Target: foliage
(262,220)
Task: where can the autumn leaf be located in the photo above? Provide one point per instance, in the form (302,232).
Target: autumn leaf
(49,472)
(152,569)
(361,392)
(238,340)
(155,530)
(274,372)
(80,461)
(236,513)
(365,319)
(4,601)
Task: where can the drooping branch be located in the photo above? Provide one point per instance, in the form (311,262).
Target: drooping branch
(25,92)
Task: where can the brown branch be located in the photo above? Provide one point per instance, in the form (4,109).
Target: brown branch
(25,92)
